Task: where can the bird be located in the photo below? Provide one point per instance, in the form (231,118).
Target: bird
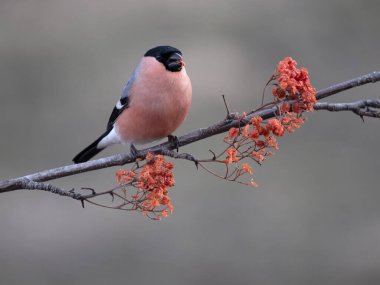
(154,102)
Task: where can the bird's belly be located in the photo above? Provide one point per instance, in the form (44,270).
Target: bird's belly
(149,120)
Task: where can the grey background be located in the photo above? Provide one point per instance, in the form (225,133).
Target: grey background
(315,219)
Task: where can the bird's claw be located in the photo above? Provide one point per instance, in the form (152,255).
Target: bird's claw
(135,152)
(174,141)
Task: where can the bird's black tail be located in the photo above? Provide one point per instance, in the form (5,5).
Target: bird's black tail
(89,151)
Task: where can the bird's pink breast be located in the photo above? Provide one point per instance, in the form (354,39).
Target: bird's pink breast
(159,102)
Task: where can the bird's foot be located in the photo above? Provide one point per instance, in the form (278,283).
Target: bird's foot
(174,141)
(135,152)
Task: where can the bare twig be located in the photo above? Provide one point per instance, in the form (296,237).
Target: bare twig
(32,181)
(225,105)
(372,77)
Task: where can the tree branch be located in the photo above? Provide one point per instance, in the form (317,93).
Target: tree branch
(372,77)
(33,181)
(362,108)
(32,185)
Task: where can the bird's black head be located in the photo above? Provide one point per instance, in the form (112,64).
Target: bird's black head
(169,56)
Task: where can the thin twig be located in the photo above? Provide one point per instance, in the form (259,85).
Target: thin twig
(372,77)
(228,116)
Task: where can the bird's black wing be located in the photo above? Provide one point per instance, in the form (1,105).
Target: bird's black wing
(124,101)
(123,104)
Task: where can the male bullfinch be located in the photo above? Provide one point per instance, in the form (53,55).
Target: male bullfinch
(154,102)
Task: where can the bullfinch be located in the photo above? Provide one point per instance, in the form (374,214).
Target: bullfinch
(153,104)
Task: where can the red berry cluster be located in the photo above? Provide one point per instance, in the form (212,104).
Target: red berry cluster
(151,183)
(294,85)
(294,95)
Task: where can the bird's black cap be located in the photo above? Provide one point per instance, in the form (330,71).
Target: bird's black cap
(161,50)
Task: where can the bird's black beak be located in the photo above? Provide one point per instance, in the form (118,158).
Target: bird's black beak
(175,62)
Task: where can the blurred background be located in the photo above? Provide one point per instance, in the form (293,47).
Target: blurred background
(315,217)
